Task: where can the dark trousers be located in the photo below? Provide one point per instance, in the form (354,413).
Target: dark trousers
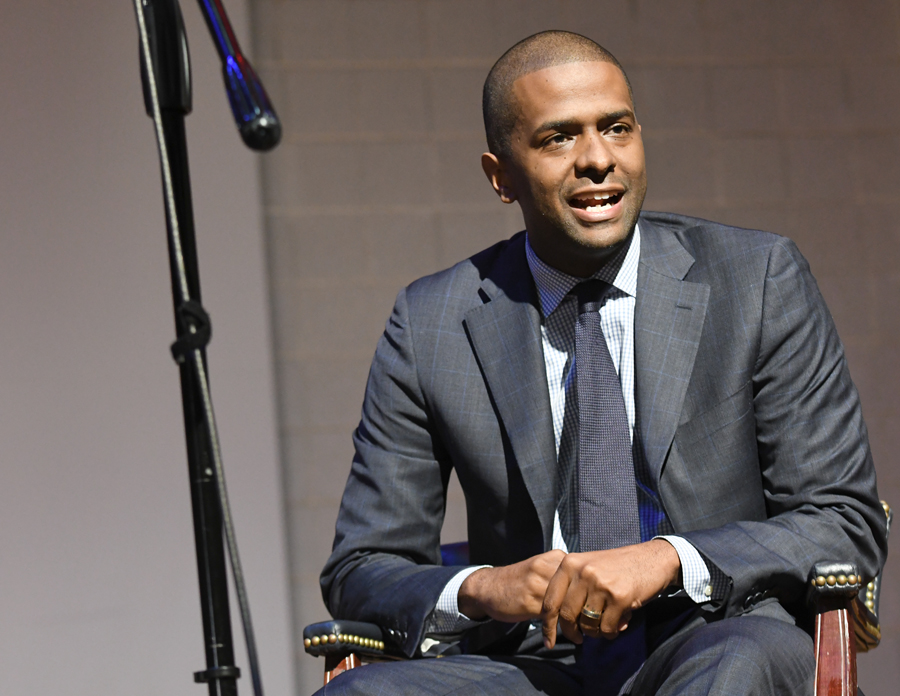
(758,653)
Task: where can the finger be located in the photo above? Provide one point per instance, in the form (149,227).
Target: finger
(614,619)
(589,632)
(594,603)
(570,612)
(624,620)
(589,621)
(553,597)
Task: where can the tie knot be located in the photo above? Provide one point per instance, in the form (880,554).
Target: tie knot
(590,294)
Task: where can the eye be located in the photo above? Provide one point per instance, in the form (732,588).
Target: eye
(557,139)
(619,129)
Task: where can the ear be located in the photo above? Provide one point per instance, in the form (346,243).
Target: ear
(496,173)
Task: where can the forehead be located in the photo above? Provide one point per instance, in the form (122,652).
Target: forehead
(570,91)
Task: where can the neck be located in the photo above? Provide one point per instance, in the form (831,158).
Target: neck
(610,261)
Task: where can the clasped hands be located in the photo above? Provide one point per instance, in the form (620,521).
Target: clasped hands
(554,587)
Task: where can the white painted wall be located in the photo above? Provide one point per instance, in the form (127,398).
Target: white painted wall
(98,590)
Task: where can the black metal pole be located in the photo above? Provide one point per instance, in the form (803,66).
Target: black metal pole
(221,673)
(168,45)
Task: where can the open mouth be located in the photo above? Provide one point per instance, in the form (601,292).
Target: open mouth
(596,202)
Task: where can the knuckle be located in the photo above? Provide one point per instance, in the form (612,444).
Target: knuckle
(592,574)
(569,562)
(620,596)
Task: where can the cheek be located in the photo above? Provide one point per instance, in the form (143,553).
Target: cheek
(635,161)
(537,185)
(548,182)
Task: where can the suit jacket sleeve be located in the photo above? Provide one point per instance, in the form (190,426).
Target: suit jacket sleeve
(385,564)
(816,470)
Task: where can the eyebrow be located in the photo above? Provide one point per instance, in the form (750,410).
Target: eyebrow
(563,124)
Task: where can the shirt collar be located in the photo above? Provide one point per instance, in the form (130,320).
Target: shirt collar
(553,285)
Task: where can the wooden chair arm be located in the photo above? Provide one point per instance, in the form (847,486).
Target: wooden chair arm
(833,589)
(846,611)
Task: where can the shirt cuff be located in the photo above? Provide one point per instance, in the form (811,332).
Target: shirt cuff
(695,577)
(446,619)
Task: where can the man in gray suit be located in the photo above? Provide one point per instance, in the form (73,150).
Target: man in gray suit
(748,462)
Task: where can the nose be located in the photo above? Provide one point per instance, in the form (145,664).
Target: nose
(595,159)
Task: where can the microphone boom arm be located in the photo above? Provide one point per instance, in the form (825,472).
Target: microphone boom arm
(253,113)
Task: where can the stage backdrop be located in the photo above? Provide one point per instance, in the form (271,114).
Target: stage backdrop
(98,582)
(780,115)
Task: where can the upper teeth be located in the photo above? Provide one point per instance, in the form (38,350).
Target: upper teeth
(597,201)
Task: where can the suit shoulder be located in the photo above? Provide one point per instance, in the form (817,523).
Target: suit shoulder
(716,242)
(459,283)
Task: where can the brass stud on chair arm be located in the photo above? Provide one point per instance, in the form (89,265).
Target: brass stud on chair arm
(325,640)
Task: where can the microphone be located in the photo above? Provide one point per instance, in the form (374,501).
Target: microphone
(253,113)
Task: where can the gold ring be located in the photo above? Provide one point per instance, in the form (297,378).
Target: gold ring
(590,620)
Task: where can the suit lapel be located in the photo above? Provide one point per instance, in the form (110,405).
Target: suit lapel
(506,339)
(505,335)
(669,316)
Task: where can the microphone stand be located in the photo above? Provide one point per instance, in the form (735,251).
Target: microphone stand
(166,80)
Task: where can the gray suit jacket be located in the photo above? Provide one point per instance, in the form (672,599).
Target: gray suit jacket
(750,423)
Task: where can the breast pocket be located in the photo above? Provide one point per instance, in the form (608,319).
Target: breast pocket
(721,416)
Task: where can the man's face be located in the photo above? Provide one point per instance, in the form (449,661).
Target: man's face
(576,164)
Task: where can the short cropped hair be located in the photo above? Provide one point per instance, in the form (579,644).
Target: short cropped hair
(539,51)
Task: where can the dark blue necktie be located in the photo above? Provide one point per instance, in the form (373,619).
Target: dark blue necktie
(607,494)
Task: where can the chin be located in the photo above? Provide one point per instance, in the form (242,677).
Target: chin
(602,239)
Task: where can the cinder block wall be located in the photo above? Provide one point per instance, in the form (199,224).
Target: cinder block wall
(757,113)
